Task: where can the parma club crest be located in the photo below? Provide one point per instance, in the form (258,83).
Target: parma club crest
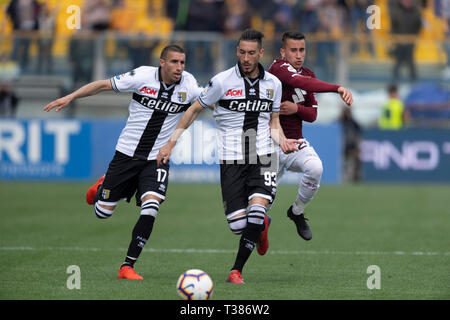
(269,93)
(181,97)
(105,194)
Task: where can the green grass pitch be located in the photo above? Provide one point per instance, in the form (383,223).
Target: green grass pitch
(404,230)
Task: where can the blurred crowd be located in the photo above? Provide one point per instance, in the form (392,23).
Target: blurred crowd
(327,20)
(228,16)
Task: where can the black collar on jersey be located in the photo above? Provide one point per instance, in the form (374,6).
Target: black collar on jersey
(241,74)
(161,80)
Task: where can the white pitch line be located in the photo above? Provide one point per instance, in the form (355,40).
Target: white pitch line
(192,250)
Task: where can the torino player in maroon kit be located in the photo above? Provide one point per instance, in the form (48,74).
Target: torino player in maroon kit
(297,105)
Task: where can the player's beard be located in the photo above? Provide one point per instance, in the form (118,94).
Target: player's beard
(248,73)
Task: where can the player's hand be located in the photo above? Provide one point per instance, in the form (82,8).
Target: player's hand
(288,107)
(164,154)
(58,104)
(289,145)
(346,95)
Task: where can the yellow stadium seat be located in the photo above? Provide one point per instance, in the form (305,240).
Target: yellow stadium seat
(428,48)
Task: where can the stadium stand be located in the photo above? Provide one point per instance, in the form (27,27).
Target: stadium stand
(138,29)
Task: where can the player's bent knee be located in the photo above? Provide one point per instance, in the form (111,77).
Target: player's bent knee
(314,169)
(237,221)
(103,211)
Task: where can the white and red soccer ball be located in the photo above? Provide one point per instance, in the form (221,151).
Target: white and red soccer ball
(195,284)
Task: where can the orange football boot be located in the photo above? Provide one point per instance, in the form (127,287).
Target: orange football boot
(235,277)
(127,272)
(90,194)
(263,242)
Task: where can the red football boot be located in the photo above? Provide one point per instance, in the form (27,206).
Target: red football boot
(235,277)
(127,272)
(90,194)
(263,242)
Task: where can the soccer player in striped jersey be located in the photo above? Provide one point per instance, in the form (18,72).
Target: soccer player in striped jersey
(246,102)
(160,95)
(298,104)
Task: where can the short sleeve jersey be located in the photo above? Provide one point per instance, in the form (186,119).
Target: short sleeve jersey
(154,111)
(242,110)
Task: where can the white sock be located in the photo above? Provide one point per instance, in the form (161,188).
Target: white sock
(306,192)
(298,207)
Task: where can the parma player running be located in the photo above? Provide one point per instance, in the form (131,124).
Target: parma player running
(160,95)
(298,105)
(246,102)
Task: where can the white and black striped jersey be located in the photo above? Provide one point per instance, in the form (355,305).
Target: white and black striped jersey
(154,110)
(243,111)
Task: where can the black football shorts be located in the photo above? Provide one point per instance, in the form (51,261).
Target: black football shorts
(241,182)
(127,175)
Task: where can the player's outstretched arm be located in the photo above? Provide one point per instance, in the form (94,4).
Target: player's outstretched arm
(89,89)
(315,85)
(277,134)
(186,120)
(287,75)
(302,82)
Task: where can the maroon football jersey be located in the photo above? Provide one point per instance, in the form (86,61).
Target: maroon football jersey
(298,87)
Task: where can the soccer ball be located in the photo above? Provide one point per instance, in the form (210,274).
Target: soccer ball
(195,284)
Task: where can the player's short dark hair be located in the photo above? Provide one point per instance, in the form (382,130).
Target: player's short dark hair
(295,35)
(392,88)
(252,35)
(169,48)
